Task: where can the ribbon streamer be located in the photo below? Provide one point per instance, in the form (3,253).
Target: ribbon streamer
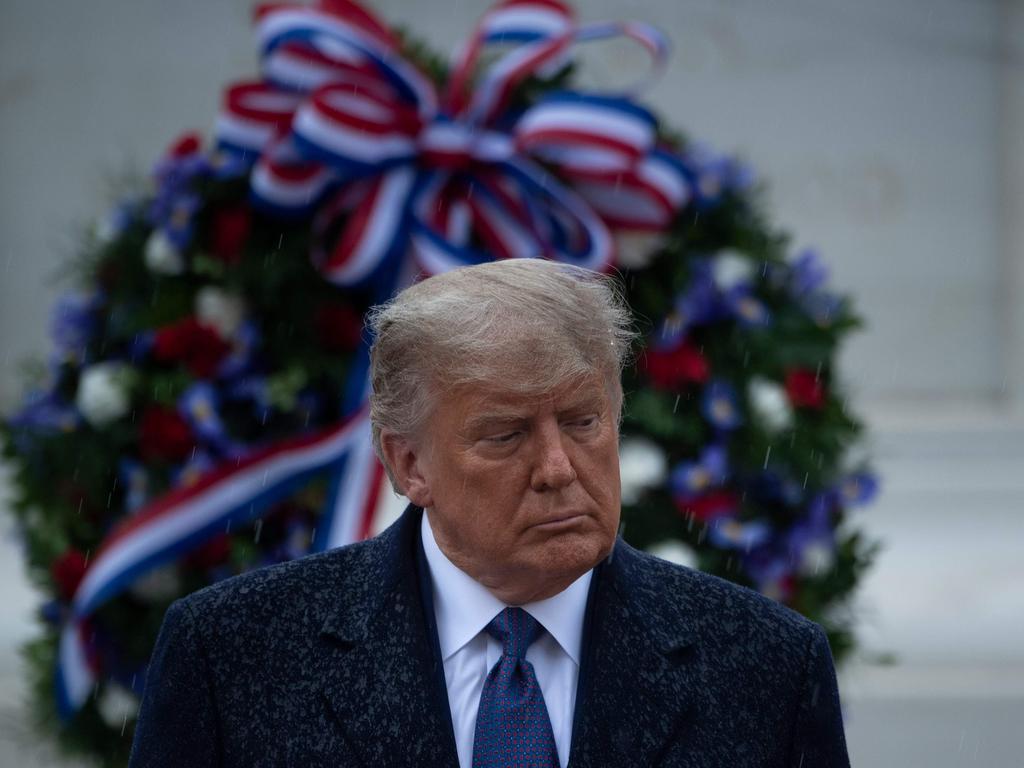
(180,520)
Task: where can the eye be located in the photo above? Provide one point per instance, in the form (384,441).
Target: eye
(584,422)
(502,438)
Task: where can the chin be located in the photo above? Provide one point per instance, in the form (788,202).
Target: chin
(575,552)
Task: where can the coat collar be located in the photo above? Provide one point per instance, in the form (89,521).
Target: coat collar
(384,679)
(639,683)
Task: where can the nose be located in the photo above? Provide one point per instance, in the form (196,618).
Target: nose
(552,468)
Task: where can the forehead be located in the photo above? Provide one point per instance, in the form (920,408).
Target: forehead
(472,401)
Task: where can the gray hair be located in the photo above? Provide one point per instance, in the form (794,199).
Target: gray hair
(529,324)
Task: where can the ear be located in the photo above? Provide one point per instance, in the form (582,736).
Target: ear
(406,459)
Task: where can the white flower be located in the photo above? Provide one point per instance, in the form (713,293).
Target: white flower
(157,585)
(675,552)
(817,556)
(770,402)
(730,267)
(102,393)
(223,311)
(636,249)
(117,705)
(161,256)
(641,465)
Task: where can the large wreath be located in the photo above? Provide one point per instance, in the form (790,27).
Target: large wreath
(203,412)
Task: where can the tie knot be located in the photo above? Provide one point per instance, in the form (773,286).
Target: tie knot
(516,630)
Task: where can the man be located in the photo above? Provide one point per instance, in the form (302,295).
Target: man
(500,621)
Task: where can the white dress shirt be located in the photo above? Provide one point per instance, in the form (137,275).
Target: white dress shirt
(463,608)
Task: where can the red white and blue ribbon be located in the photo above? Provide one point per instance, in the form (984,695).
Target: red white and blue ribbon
(343,129)
(173,524)
(360,112)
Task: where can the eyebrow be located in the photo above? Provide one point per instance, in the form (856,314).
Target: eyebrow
(500,418)
(495,419)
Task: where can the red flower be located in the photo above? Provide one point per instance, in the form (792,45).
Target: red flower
(67,572)
(670,369)
(164,434)
(805,389)
(708,506)
(230,230)
(339,327)
(198,346)
(184,145)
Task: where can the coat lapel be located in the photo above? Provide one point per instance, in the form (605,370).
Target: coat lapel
(639,680)
(381,678)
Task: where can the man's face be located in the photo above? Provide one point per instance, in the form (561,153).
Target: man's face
(522,491)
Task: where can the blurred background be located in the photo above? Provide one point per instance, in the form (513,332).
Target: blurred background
(892,138)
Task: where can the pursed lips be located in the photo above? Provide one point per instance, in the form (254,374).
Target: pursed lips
(564,518)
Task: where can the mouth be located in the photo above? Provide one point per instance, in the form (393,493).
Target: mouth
(557,523)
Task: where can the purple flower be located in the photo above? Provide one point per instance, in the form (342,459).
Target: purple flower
(73,323)
(712,174)
(811,541)
(858,489)
(770,570)
(44,411)
(177,219)
(200,406)
(244,344)
(116,221)
(174,206)
(135,481)
(692,478)
(188,473)
(694,306)
(719,405)
(730,533)
(745,307)
(807,274)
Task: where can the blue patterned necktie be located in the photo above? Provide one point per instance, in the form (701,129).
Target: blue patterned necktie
(512,726)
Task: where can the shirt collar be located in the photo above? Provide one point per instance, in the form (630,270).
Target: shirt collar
(464,606)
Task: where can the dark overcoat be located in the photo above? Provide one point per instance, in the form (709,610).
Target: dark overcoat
(333,660)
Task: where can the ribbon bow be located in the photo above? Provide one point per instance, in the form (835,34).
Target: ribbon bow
(342,123)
